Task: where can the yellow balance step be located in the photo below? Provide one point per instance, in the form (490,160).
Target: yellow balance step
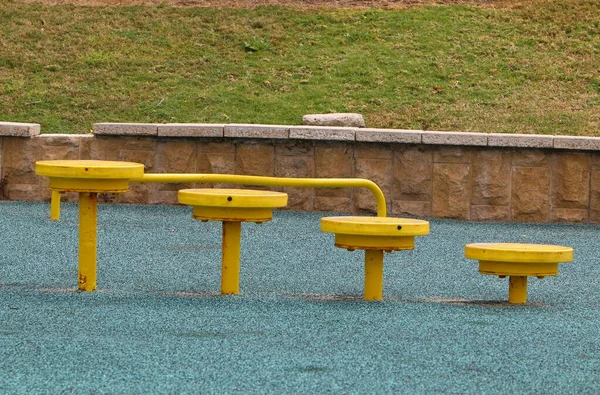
(88,177)
(518,261)
(232,207)
(374,235)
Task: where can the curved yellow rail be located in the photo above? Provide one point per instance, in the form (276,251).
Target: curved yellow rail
(273,182)
(252,180)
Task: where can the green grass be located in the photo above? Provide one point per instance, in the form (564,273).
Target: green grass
(527,69)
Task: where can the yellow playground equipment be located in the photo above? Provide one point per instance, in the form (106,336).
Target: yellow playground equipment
(374,235)
(518,261)
(232,207)
(89,177)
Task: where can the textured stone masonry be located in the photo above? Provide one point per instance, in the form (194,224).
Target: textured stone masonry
(422,174)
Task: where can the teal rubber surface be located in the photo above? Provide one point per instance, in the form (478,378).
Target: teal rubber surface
(157,323)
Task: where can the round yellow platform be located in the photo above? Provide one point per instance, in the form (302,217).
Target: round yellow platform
(518,261)
(240,205)
(89,175)
(375,233)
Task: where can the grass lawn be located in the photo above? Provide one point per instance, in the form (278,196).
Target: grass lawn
(506,68)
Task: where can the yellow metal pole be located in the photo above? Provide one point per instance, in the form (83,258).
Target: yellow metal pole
(55,206)
(517,289)
(373,274)
(88,208)
(230,272)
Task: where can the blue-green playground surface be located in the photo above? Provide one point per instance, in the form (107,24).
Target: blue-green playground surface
(157,323)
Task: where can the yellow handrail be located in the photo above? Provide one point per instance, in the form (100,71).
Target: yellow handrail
(253,180)
(273,182)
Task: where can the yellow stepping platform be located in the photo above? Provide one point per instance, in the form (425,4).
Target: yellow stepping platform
(232,207)
(518,261)
(374,235)
(87,177)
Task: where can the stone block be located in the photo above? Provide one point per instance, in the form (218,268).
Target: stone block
(413,175)
(570,180)
(296,167)
(175,156)
(120,148)
(333,204)
(19,159)
(520,140)
(17,129)
(125,129)
(256,131)
(446,154)
(380,172)
(190,130)
(530,194)
(294,147)
(595,196)
(491,177)
(396,136)
(299,199)
(373,151)
(451,191)
(490,213)
(577,143)
(333,161)
(255,159)
(334,119)
(595,160)
(138,193)
(530,158)
(419,209)
(215,163)
(26,192)
(567,215)
(216,147)
(322,133)
(454,138)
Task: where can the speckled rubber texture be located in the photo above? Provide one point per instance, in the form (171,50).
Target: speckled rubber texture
(157,323)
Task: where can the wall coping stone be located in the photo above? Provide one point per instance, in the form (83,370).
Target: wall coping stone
(322,133)
(577,143)
(242,130)
(455,138)
(520,140)
(18,129)
(191,130)
(65,135)
(389,136)
(125,129)
(305,132)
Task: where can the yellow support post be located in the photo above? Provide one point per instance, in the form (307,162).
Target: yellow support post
(517,289)
(55,206)
(373,275)
(88,208)
(230,274)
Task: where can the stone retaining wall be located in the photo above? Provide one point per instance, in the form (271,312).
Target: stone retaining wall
(468,176)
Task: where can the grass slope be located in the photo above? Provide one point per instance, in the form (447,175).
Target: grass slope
(525,69)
